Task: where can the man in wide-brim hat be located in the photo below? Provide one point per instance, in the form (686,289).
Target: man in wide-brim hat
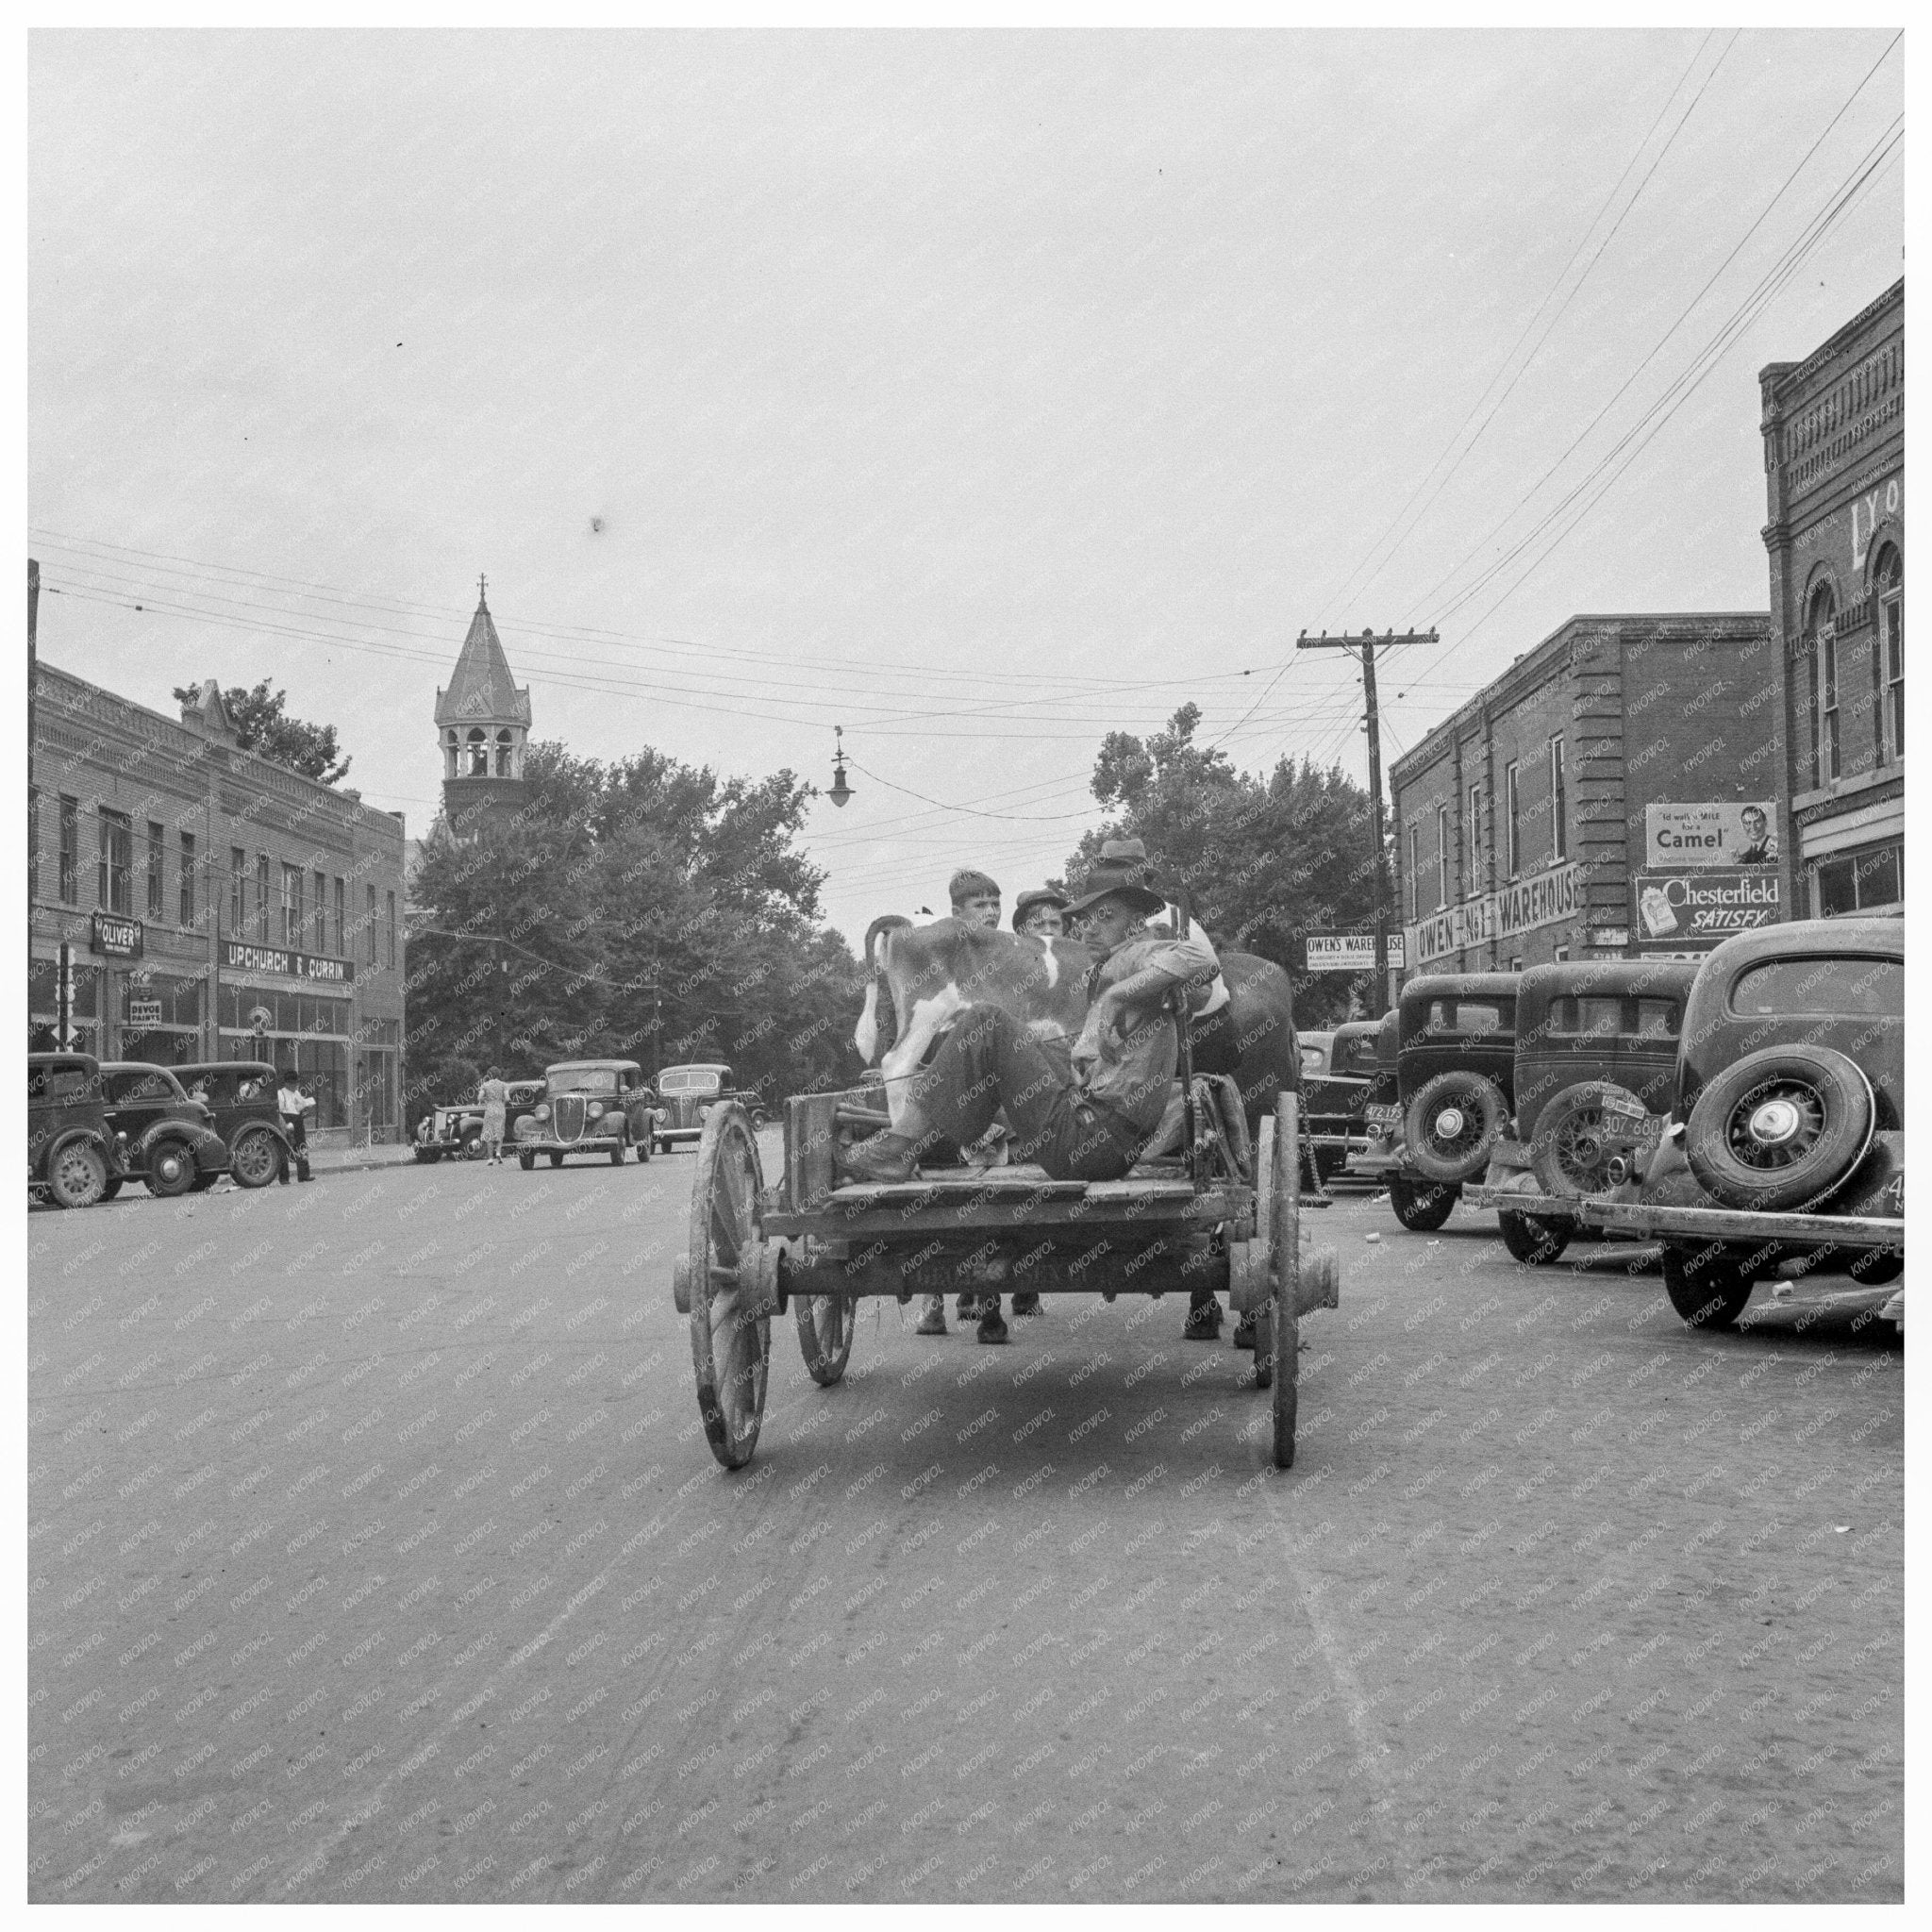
(1090,1126)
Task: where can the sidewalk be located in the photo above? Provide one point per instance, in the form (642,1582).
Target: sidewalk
(351,1159)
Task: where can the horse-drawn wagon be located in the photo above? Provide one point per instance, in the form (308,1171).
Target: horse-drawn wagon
(1225,1213)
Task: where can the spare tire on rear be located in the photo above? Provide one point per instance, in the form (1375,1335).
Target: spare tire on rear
(1567,1151)
(1781,1128)
(1452,1123)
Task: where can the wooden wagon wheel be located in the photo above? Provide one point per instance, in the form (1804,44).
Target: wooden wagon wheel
(1263,1317)
(826,1323)
(730,1336)
(1285,1250)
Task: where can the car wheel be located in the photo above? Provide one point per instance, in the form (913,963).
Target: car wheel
(428,1155)
(257,1158)
(557,1160)
(77,1175)
(170,1169)
(645,1150)
(1452,1123)
(1707,1287)
(1567,1152)
(1422,1210)
(527,1162)
(1780,1128)
(473,1145)
(1536,1239)
(617,1155)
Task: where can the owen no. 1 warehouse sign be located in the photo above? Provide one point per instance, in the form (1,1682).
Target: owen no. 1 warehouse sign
(1543,900)
(1350,952)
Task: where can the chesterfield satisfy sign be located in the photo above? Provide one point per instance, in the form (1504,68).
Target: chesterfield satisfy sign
(1544,900)
(238,955)
(1699,907)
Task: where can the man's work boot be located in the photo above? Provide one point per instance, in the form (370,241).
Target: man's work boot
(1026,1304)
(1245,1332)
(1204,1319)
(933,1321)
(885,1157)
(990,1327)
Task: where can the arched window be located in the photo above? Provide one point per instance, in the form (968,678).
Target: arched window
(479,755)
(1821,640)
(1888,657)
(503,769)
(449,755)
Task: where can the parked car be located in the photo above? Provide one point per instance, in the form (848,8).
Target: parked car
(1455,1040)
(71,1157)
(1788,1129)
(239,1096)
(587,1106)
(1595,1068)
(686,1094)
(169,1139)
(1338,1068)
(458,1131)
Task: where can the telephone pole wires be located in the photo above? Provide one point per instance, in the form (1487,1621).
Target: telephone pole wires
(1363,648)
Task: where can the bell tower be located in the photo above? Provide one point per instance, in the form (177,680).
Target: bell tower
(482,726)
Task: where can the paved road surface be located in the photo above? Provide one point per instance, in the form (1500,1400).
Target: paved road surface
(376,1553)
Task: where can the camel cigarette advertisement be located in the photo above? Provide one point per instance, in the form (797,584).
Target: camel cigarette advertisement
(1710,837)
(1676,909)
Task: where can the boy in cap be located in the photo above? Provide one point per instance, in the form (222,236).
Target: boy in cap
(1040,912)
(976,898)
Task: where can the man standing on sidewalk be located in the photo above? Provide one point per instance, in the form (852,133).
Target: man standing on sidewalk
(295,1106)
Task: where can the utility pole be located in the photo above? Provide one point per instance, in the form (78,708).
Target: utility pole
(1365,645)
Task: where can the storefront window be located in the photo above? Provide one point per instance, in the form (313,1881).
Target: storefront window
(1858,881)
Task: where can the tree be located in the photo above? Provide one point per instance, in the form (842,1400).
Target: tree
(264,727)
(1265,861)
(645,908)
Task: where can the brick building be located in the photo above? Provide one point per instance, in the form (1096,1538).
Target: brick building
(215,906)
(1596,801)
(1834,461)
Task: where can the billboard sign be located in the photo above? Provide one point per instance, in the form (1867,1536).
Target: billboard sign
(1546,899)
(1711,837)
(238,955)
(117,938)
(1699,907)
(1350,952)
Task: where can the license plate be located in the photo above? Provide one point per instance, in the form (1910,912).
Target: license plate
(1380,1115)
(1626,1109)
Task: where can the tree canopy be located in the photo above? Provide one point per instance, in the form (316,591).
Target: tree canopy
(264,727)
(1266,860)
(645,892)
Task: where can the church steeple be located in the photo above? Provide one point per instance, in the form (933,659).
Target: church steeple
(483,724)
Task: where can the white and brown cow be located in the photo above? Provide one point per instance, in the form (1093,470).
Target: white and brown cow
(923,976)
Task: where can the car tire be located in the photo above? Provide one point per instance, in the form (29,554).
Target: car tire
(474,1148)
(76,1175)
(255,1158)
(1567,1152)
(1452,1123)
(170,1169)
(1422,1208)
(1780,1129)
(617,1155)
(644,1150)
(557,1160)
(1537,1239)
(1707,1287)
(527,1162)
(428,1156)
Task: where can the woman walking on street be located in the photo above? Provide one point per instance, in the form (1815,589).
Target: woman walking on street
(494,1096)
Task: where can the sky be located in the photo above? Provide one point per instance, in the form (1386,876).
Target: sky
(981,393)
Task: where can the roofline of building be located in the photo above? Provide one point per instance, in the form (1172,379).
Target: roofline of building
(1529,668)
(1783,375)
(379,820)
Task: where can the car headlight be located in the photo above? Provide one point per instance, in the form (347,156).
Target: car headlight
(541,1114)
(527,1128)
(596,1109)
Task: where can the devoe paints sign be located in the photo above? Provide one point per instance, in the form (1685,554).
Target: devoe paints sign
(1544,900)
(1721,833)
(1698,908)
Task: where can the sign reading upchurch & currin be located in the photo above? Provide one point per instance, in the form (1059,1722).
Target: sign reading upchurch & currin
(238,955)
